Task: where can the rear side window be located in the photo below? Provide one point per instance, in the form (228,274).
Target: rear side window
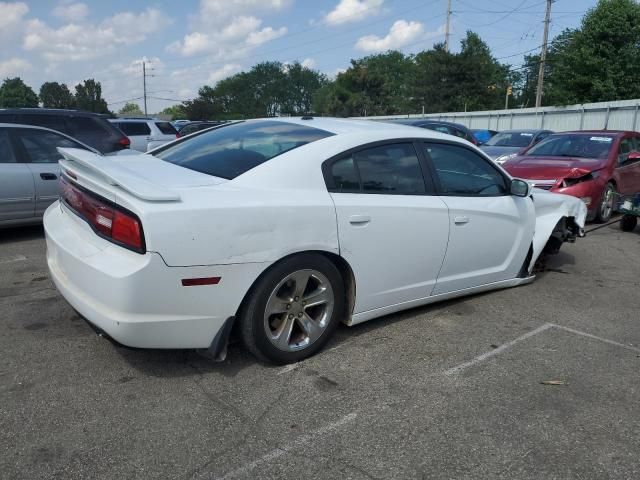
(53,122)
(42,147)
(166,128)
(235,149)
(6,152)
(134,128)
(188,129)
(388,169)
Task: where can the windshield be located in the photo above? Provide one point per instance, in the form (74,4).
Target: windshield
(575,145)
(234,149)
(510,139)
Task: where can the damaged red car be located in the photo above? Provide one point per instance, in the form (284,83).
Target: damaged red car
(591,165)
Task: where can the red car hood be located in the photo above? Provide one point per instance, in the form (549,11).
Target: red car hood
(539,168)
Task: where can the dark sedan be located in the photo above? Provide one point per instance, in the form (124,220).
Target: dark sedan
(451,128)
(508,143)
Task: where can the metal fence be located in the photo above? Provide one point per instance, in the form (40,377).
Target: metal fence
(618,115)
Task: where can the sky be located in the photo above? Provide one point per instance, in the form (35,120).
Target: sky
(186,44)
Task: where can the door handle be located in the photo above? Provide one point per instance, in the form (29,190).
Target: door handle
(359,219)
(48,176)
(461,220)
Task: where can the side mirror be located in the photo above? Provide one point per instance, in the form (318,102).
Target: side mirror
(520,188)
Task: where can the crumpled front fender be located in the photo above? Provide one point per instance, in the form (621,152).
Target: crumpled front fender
(550,209)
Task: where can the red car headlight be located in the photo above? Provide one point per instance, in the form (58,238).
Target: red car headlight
(569,182)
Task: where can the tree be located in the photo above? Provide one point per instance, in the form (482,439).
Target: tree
(15,93)
(175,112)
(56,95)
(89,97)
(130,108)
(599,61)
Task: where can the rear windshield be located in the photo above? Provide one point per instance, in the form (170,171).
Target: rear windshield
(235,149)
(574,145)
(166,128)
(510,139)
(133,129)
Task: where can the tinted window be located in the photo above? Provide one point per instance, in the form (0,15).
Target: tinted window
(626,147)
(53,122)
(231,151)
(187,129)
(41,146)
(574,145)
(6,152)
(510,139)
(134,128)
(391,169)
(345,176)
(166,128)
(82,126)
(463,172)
(439,128)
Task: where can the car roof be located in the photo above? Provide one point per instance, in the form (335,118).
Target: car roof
(136,119)
(49,111)
(421,121)
(341,126)
(599,132)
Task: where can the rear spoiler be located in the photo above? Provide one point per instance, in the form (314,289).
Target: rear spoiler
(116,174)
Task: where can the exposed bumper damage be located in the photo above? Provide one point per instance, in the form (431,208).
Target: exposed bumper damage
(559,219)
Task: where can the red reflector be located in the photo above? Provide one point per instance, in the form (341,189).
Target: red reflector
(194,282)
(124,141)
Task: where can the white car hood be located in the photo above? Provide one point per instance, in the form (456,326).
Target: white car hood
(550,209)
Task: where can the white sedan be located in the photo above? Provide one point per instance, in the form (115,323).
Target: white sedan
(286,227)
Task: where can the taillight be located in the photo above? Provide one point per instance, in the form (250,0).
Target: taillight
(178,135)
(107,219)
(125,142)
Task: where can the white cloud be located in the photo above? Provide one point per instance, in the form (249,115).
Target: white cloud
(353,11)
(223,72)
(11,13)
(71,12)
(85,41)
(308,63)
(13,67)
(400,34)
(225,30)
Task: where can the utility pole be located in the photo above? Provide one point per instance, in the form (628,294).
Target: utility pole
(506,97)
(144,85)
(543,55)
(446,30)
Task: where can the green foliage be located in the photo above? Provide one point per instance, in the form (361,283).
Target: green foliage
(175,112)
(130,108)
(89,97)
(15,93)
(56,95)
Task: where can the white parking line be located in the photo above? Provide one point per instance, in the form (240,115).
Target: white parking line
(278,452)
(496,351)
(540,329)
(14,258)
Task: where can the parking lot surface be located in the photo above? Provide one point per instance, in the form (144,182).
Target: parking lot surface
(453,390)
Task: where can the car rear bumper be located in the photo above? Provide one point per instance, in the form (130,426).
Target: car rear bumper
(137,299)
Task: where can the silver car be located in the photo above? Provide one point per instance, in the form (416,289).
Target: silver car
(29,171)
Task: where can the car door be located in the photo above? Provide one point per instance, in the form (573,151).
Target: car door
(17,192)
(490,230)
(392,230)
(39,150)
(627,170)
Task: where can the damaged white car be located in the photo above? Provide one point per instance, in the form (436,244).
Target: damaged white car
(285,227)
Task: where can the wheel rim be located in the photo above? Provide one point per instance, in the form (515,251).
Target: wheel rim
(298,310)
(607,203)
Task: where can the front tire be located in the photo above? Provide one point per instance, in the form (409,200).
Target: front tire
(605,209)
(293,309)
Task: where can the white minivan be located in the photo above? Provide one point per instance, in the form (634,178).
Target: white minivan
(146,133)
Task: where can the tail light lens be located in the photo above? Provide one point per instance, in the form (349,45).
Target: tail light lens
(124,142)
(178,135)
(108,220)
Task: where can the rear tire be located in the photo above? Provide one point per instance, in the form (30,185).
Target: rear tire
(293,309)
(628,223)
(607,203)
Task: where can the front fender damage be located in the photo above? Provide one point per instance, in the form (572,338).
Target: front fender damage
(559,218)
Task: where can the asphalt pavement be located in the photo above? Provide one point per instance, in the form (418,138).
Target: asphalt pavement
(534,382)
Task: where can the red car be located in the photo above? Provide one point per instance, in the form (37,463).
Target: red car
(590,165)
